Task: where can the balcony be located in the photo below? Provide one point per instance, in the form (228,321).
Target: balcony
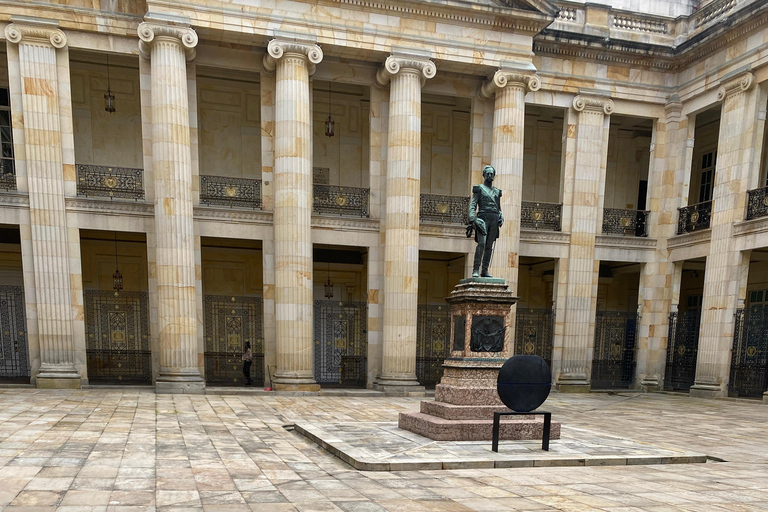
(694,217)
(617,221)
(544,216)
(111,182)
(445,209)
(757,203)
(342,201)
(232,192)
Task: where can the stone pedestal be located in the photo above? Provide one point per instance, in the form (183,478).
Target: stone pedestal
(466,398)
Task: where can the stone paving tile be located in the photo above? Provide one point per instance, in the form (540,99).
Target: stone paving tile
(129,450)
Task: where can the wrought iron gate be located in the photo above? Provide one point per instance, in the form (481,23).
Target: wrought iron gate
(750,346)
(14,363)
(433,331)
(533,333)
(613,364)
(230,322)
(682,347)
(117,337)
(341,342)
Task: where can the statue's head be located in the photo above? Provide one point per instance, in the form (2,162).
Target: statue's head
(489,173)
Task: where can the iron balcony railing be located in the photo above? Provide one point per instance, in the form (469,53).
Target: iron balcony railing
(232,192)
(7,174)
(105,181)
(447,209)
(345,201)
(538,215)
(757,203)
(618,221)
(693,217)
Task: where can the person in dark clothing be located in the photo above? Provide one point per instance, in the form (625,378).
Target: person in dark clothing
(247,360)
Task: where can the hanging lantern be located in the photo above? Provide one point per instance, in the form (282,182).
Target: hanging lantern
(109,98)
(329,285)
(117,277)
(329,122)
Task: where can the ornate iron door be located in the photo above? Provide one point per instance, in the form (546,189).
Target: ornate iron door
(682,347)
(533,333)
(117,337)
(229,323)
(341,342)
(613,364)
(433,346)
(750,346)
(14,363)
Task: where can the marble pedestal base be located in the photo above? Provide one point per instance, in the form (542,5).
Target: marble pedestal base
(165,385)
(466,397)
(57,383)
(705,391)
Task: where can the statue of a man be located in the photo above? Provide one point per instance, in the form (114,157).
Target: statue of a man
(486,218)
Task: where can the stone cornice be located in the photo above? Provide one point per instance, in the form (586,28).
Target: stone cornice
(750,227)
(345,223)
(593,103)
(232,214)
(689,239)
(442,230)
(35,31)
(14,199)
(544,237)
(509,78)
(626,242)
(151,32)
(398,63)
(740,83)
(101,206)
(278,47)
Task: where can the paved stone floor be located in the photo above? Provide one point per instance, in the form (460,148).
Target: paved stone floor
(131,450)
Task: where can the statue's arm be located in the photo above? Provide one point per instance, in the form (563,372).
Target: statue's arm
(473,204)
(501,215)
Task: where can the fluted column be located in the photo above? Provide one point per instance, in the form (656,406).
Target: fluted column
(591,153)
(406,75)
(169,47)
(293,62)
(509,88)
(38,44)
(727,267)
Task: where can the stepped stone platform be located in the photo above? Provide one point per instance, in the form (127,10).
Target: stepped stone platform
(385,447)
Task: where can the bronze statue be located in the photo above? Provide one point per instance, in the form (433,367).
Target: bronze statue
(485,219)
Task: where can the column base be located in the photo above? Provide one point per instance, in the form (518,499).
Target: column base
(180,384)
(399,387)
(573,384)
(53,376)
(650,384)
(765,398)
(705,391)
(294,381)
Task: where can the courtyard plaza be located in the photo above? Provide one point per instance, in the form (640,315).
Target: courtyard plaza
(129,449)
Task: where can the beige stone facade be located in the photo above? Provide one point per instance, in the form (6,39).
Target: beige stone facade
(296,175)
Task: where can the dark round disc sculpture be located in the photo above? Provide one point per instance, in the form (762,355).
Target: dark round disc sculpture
(524,383)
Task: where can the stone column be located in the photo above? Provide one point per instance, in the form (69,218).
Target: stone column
(668,150)
(406,75)
(591,153)
(726,265)
(168,47)
(509,88)
(39,42)
(293,62)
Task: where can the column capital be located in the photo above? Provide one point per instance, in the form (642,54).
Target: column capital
(151,32)
(594,104)
(394,64)
(673,109)
(509,78)
(35,31)
(739,83)
(279,47)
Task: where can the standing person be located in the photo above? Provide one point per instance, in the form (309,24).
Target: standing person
(247,360)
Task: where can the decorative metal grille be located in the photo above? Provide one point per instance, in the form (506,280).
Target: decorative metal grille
(7,179)
(613,364)
(14,363)
(7,163)
(757,203)
(682,347)
(448,209)
(433,333)
(117,337)
(536,215)
(696,216)
(225,191)
(103,181)
(617,221)
(347,201)
(534,331)
(750,347)
(341,343)
(229,322)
